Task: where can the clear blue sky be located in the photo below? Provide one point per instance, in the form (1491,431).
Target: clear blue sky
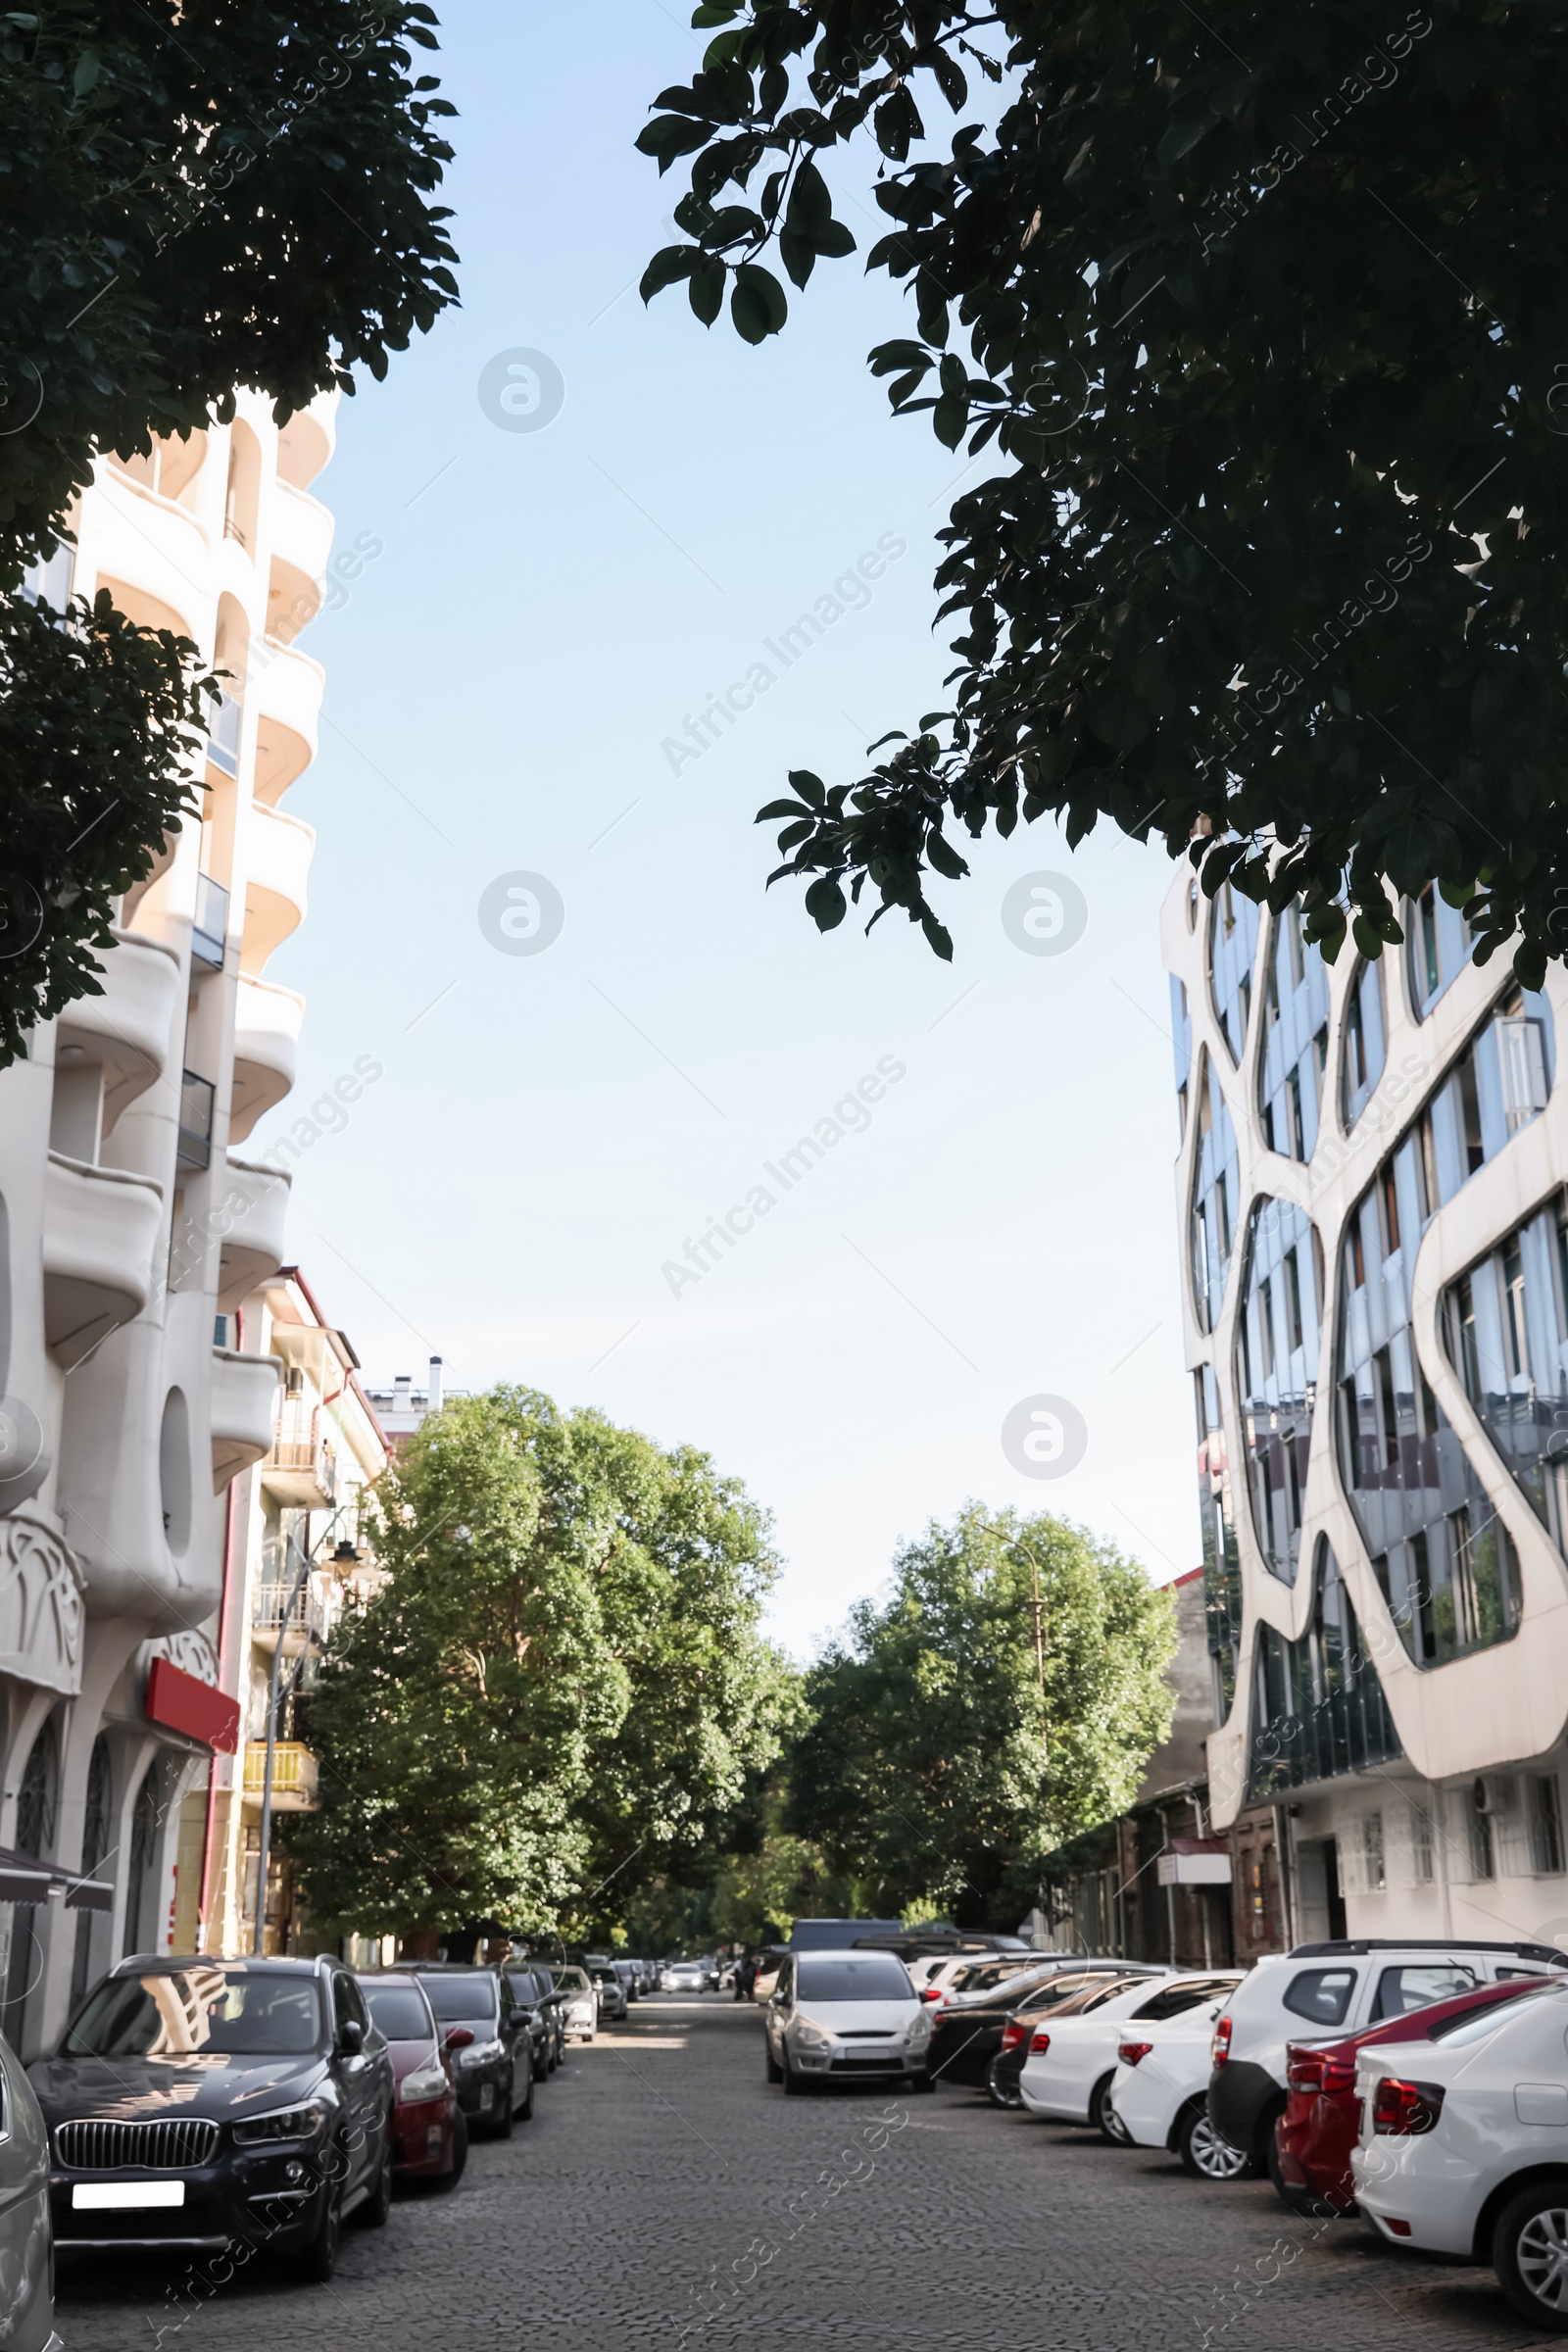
(550,1129)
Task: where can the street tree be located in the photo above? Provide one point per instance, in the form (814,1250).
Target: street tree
(1261,314)
(951,1749)
(560,1683)
(197,197)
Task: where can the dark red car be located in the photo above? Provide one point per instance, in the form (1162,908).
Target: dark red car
(429,2140)
(1309,2161)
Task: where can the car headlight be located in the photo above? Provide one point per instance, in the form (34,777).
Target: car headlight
(482,2053)
(426,2083)
(918,2028)
(285,2123)
(811,2037)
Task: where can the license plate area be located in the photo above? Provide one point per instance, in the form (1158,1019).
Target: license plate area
(124,2196)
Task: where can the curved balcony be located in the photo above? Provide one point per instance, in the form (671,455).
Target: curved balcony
(279,850)
(100,1235)
(156,548)
(300,1465)
(267,1035)
(244,1399)
(126,1031)
(285,689)
(307,442)
(255,1210)
(301,530)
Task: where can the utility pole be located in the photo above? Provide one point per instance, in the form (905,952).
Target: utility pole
(1040,1653)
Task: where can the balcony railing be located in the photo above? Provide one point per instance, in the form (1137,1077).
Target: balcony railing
(272,1611)
(299,1449)
(195,1147)
(1350,1730)
(223,739)
(294,1774)
(209,938)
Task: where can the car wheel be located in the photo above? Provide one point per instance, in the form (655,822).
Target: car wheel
(776,2073)
(1203,2153)
(377,2205)
(460,2153)
(524,2112)
(316,2258)
(999,2093)
(1103,2114)
(924,2081)
(1529,2254)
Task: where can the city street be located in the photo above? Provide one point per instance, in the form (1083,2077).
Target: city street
(663,2187)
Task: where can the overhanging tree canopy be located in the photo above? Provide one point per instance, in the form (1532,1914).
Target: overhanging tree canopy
(1267,308)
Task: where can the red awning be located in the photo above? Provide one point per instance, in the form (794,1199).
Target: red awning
(189,1705)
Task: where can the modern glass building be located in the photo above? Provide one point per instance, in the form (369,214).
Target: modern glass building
(1372,1187)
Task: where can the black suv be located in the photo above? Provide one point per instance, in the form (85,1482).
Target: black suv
(209,2104)
(489,2051)
(528,1991)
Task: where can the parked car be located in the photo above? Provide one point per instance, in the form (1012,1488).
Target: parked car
(626,1971)
(528,1988)
(687,1976)
(610,1990)
(1160,2093)
(971,2035)
(969,1976)
(27,2236)
(1463,2146)
(1316,2137)
(429,2137)
(1342,1985)
(1072,2053)
(491,2057)
(579,2008)
(847,2016)
(198,2102)
(769,1960)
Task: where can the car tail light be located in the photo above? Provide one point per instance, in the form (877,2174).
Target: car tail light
(1220,2047)
(1317,2070)
(1039,2043)
(1400,2109)
(1129,2052)
(1012,2032)
(932,1993)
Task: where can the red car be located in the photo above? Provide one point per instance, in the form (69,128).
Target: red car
(429,2140)
(1310,2160)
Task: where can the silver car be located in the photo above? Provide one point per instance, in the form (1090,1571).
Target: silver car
(609,1989)
(850,2015)
(27,2230)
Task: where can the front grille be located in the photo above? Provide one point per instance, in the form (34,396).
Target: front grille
(168,2145)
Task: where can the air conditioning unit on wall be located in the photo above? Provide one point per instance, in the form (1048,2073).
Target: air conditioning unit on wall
(1496,1795)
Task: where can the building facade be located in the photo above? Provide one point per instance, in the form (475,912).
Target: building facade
(132,1223)
(1374,1253)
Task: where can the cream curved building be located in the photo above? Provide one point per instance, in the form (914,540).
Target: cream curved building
(133,1224)
(1371,1191)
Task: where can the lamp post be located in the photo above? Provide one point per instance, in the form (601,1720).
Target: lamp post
(344,1555)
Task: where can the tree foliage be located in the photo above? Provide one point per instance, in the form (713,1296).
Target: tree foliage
(193,197)
(561,1686)
(1266,307)
(934,1771)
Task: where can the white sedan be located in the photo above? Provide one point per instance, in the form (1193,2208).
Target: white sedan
(1160,2092)
(846,2016)
(1072,2055)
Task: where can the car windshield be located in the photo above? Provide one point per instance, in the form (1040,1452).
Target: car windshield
(874,1976)
(454,1998)
(570,1979)
(398,2011)
(207,2010)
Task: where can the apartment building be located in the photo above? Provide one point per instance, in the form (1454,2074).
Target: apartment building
(1371,1194)
(134,1225)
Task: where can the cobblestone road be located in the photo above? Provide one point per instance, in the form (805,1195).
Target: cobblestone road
(662,2186)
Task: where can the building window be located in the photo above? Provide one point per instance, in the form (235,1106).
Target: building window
(1181,1036)
(1483,1848)
(1233,950)
(1504,1326)
(1318,1707)
(94,1847)
(1277,1363)
(1420,1829)
(1546,1826)
(1374,1865)
(1216,1184)
(139,1862)
(36,1835)
(1295,1008)
(1439,949)
(1366,1049)
(1222,1574)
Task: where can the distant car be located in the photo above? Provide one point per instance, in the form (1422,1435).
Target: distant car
(1316,2137)
(970,2036)
(626,1971)
(27,2238)
(430,2139)
(196,2104)
(579,2010)
(527,1990)
(492,2060)
(846,2016)
(687,1976)
(610,1990)
(1072,2058)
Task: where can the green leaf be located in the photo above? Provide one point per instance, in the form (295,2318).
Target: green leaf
(825,903)
(758,306)
(667,267)
(85,76)
(812,789)
(705,291)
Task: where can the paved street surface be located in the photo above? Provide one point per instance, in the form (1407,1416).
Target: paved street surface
(663,2187)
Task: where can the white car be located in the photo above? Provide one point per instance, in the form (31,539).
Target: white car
(1160,2092)
(1464,2146)
(579,2006)
(1334,1987)
(1072,2054)
(978,1973)
(848,2016)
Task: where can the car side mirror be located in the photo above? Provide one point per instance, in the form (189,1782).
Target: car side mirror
(519,2016)
(456,2038)
(351,2037)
